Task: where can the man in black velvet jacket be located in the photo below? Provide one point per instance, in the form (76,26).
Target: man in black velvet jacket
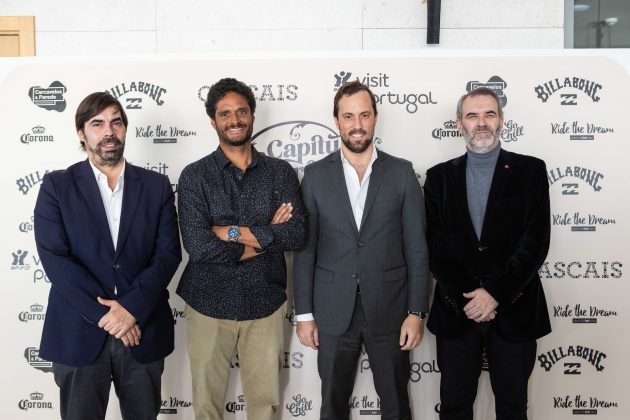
(488,227)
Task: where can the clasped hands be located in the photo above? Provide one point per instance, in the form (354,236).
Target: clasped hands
(481,307)
(119,323)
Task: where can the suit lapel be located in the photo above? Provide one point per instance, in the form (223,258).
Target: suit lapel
(376,177)
(89,188)
(457,177)
(502,172)
(338,180)
(131,197)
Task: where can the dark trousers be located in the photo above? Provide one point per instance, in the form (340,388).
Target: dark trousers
(510,366)
(84,391)
(337,364)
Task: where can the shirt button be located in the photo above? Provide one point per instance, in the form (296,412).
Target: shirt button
(116,266)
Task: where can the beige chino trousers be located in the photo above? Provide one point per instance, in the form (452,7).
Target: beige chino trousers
(211,345)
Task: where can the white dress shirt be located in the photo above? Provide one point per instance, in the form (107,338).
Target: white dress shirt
(112,201)
(357,192)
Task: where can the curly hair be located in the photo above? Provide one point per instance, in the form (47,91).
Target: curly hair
(223,87)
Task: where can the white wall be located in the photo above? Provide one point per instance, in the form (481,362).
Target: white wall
(75,27)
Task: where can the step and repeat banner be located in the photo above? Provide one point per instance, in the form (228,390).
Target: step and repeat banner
(566,107)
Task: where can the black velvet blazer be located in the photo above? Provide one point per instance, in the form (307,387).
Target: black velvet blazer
(505,261)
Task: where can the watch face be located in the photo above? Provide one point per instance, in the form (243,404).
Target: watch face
(233,233)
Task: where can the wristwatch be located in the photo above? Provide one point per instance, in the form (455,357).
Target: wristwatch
(422,315)
(233,234)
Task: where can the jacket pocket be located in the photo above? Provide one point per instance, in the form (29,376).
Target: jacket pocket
(398,273)
(321,274)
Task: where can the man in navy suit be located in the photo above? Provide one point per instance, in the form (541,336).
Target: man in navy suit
(106,233)
(488,229)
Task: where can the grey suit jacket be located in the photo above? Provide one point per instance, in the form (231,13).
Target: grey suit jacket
(386,255)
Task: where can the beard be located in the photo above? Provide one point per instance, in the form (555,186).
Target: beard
(236,141)
(354,146)
(109,157)
(492,139)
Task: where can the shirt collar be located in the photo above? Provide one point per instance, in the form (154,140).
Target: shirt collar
(99,175)
(372,160)
(223,161)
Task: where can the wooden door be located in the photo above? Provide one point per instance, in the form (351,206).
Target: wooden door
(17,36)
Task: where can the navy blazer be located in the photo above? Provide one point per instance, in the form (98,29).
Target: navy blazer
(75,246)
(505,261)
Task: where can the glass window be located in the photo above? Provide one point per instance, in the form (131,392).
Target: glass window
(601,23)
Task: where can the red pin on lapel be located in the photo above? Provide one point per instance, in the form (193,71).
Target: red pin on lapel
(506,166)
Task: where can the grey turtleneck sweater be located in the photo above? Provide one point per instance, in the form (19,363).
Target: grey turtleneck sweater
(479,173)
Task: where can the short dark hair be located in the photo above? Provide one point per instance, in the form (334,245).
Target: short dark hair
(223,87)
(481,91)
(351,88)
(94,104)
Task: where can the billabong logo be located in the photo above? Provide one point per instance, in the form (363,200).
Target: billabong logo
(589,176)
(31,354)
(299,405)
(572,368)
(36,313)
(496,83)
(37,135)
(151,90)
(27,182)
(18,260)
(582,405)
(546,90)
(35,400)
(133,103)
(265,92)
(568,99)
(341,78)
(582,315)
(50,98)
(171,405)
(366,405)
(570,188)
(581,270)
(236,406)
(580,222)
(592,356)
(163,134)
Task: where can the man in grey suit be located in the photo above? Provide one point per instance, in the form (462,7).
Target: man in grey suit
(362,277)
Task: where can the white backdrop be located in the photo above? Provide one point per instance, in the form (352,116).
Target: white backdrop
(566,107)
